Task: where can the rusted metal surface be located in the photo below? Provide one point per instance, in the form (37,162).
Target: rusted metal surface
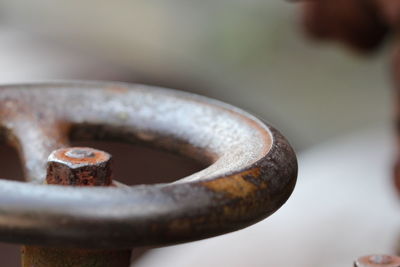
(378,261)
(76,166)
(60,257)
(79,166)
(252,168)
(358,23)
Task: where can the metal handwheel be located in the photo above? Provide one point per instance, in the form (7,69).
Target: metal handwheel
(252,170)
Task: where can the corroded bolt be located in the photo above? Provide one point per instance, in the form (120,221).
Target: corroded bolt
(378,261)
(79,166)
(76,166)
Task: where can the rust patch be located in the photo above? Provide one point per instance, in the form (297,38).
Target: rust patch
(179,225)
(62,257)
(236,185)
(79,166)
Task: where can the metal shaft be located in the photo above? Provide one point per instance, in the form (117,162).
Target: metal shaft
(33,256)
(78,166)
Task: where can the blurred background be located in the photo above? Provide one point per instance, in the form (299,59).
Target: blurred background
(252,54)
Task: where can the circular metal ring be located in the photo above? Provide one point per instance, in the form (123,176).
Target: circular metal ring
(252,169)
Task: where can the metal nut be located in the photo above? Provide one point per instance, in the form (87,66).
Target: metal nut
(378,261)
(79,166)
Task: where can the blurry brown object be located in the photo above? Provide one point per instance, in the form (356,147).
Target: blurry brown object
(390,9)
(355,22)
(396,75)
(362,25)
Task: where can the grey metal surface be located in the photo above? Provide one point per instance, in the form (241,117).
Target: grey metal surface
(252,168)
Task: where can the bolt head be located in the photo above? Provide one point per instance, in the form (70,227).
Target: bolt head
(79,166)
(80,153)
(378,261)
(76,157)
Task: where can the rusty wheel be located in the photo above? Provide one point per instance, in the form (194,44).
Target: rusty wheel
(251,174)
